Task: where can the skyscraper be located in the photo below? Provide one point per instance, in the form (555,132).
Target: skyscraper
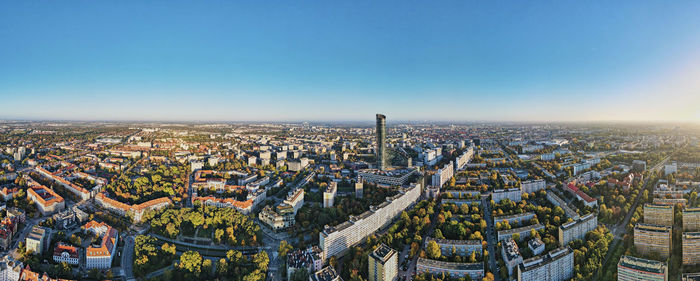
(381,141)
(383,264)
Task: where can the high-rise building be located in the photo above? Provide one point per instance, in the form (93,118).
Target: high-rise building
(691,219)
(381,142)
(651,238)
(658,214)
(329,194)
(383,264)
(577,229)
(691,247)
(557,265)
(633,269)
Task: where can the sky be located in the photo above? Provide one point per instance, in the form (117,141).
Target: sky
(553,61)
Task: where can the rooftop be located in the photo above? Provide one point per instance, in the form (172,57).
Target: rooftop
(382,253)
(642,264)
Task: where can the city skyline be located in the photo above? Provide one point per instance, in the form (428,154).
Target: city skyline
(452,61)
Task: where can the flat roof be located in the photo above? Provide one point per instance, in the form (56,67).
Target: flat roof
(642,264)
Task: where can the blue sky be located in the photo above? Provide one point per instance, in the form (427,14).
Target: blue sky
(346,60)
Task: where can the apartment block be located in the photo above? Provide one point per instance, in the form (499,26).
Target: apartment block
(577,229)
(658,214)
(634,269)
(460,247)
(691,248)
(383,264)
(557,265)
(532,186)
(513,194)
(336,240)
(651,238)
(691,219)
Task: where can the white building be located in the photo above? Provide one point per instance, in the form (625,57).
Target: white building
(670,168)
(295,198)
(513,194)
(532,186)
(577,229)
(557,265)
(100,256)
(336,240)
(443,175)
(329,195)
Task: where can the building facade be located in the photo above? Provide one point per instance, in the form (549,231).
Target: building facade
(383,264)
(691,247)
(658,214)
(650,238)
(557,265)
(634,269)
(577,229)
(381,142)
(336,240)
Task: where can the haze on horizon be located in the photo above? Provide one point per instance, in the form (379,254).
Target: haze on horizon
(454,60)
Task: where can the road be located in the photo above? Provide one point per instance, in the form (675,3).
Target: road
(127,257)
(490,237)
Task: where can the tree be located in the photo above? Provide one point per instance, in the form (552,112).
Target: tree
(191,262)
(300,274)
(261,260)
(433,250)
(284,248)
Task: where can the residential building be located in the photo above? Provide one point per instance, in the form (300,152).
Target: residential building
(658,214)
(443,175)
(651,238)
(295,198)
(326,274)
(359,189)
(577,229)
(100,255)
(310,260)
(514,219)
(279,218)
(499,195)
(10,269)
(691,219)
(691,248)
(557,265)
(38,240)
(459,247)
(536,246)
(329,194)
(511,255)
(454,269)
(336,240)
(46,200)
(557,201)
(391,177)
(634,269)
(532,186)
(523,232)
(383,264)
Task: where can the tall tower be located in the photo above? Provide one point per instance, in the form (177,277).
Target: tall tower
(381,141)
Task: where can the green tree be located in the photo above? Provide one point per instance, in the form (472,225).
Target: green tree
(191,262)
(300,274)
(433,250)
